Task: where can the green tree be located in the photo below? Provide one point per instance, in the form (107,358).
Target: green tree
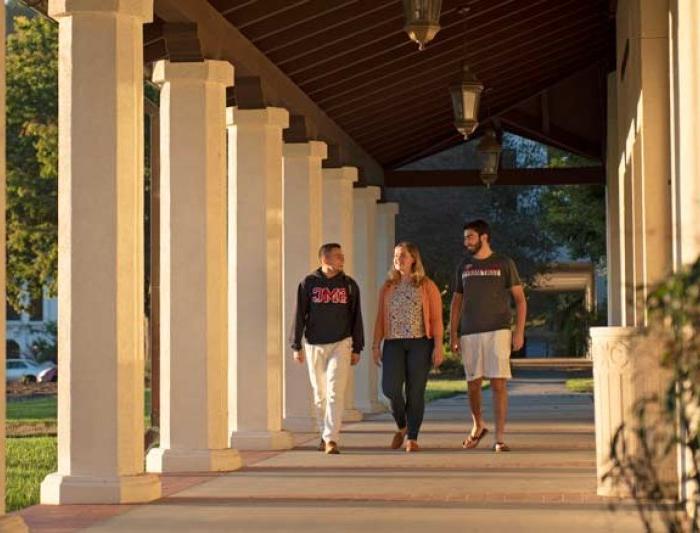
(32,159)
(574,215)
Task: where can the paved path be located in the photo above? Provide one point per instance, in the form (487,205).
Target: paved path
(547,483)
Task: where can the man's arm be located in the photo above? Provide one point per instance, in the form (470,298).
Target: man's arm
(300,316)
(455,316)
(358,332)
(520,316)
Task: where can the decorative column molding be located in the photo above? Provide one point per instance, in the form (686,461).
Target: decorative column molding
(366,275)
(101,255)
(255,277)
(303,215)
(193,319)
(338,220)
(614,214)
(625,369)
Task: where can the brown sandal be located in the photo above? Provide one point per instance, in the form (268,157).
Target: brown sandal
(472,441)
(397,440)
(501,447)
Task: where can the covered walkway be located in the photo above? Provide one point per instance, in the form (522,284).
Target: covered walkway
(549,474)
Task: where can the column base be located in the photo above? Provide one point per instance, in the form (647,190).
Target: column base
(12,524)
(162,460)
(300,424)
(262,440)
(59,489)
(352,415)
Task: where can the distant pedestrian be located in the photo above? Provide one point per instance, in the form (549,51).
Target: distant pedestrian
(328,316)
(480,326)
(409,322)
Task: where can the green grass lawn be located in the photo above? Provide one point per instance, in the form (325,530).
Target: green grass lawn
(28,460)
(446,388)
(580,385)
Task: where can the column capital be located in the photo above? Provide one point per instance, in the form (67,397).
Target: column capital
(371,193)
(210,70)
(308,149)
(342,173)
(388,208)
(141,9)
(266,116)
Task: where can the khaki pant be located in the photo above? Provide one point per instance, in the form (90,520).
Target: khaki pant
(329,367)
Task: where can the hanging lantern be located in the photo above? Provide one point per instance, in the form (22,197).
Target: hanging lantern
(466,94)
(422,20)
(490,157)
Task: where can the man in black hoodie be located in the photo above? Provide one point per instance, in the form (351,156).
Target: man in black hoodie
(328,316)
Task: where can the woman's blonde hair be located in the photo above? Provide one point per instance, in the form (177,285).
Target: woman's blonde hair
(417,270)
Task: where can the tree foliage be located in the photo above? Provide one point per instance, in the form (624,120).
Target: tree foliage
(574,215)
(32,160)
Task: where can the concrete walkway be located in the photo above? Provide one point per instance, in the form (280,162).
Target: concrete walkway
(547,483)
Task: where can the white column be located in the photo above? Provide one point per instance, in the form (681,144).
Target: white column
(386,240)
(365,268)
(255,277)
(685,80)
(614,194)
(303,208)
(13,522)
(101,255)
(193,322)
(338,227)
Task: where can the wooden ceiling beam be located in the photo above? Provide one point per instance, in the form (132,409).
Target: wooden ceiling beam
(407,66)
(445,117)
(506,176)
(257,11)
(426,102)
(388,39)
(446,71)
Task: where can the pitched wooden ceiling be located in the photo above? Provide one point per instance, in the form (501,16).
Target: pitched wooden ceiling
(354,60)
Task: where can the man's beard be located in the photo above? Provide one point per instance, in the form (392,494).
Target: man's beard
(475,249)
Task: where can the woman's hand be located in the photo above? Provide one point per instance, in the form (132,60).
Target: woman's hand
(377,356)
(438,355)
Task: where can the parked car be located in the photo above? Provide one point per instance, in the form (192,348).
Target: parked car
(22,370)
(48,374)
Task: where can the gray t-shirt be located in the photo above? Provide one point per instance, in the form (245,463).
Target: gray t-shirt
(485,285)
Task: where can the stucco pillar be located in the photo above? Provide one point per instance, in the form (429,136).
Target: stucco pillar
(685,108)
(303,208)
(338,215)
(13,522)
(193,312)
(255,277)
(626,366)
(385,241)
(614,214)
(365,269)
(101,255)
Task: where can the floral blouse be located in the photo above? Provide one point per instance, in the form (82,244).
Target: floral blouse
(406,312)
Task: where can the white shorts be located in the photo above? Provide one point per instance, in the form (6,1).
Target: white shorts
(487,354)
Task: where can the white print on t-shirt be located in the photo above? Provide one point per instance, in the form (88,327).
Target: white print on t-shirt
(470,271)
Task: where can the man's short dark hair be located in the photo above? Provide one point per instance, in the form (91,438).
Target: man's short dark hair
(480,226)
(327,248)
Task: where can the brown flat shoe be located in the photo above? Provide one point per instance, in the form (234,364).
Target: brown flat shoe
(501,447)
(322,446)
(473,440)
(397,440)
(332,448)
(412,446)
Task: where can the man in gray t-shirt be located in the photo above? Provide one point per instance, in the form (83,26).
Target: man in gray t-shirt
(480,325)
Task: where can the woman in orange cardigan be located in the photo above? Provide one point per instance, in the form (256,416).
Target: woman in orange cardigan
(409,322)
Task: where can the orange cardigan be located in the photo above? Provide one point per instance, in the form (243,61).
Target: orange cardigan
(432,311)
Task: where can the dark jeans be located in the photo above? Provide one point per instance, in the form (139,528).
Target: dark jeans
(407,361)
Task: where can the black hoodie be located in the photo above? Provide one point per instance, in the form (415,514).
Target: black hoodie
(328,310)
